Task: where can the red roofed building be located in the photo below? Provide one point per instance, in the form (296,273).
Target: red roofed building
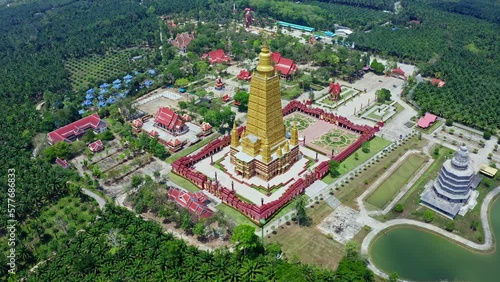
(170,121)
(438,82)
(206,128)
(215,57)
(195,203)
(399,73)
(96,146)
(175,145)
(153,133)
(75,130)
(426,120)
(136,125)
(182,40)
(244,75)
(284,66)
(334,91)
(62,162)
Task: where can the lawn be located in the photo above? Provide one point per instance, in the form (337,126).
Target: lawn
(235,215)
(348,192)
(384,193)
(88,71)
(377,144)
(191,149)
(182,182)
(307,243)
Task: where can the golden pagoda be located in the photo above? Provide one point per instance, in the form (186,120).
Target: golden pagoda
(259,152)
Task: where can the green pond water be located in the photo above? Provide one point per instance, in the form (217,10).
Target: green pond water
(422,256)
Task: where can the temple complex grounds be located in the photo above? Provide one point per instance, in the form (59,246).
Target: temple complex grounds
(254,189)
(320,135)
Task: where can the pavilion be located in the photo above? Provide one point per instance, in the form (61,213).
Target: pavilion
(427,120)
(438,82)
(215,57)
(195,203)
(75,130)
(170,121)
(398,73)
(87,103)
(286,67)
(182,40)
(104,86)
(334,91)
(96,146)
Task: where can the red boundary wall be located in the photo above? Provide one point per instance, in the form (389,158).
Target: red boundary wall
(184,166)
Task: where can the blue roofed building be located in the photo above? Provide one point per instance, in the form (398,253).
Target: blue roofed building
(90,91)
(151,71)
(100,97)
(117,81)
(81,112)
(89,96)
(148,83)
(101,104)
(110,100)
(117,86)
(136,73)
(103,91)
(87,103)
(128,77)
(104,86)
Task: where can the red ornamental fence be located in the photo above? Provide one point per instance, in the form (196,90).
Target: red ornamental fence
(183,166)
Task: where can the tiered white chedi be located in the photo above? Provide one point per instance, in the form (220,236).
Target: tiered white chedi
(453,187)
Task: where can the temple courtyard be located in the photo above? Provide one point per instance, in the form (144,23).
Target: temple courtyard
(254,190)
(320,135)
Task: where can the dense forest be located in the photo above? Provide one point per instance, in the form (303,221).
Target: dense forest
(122,247)
(461,50)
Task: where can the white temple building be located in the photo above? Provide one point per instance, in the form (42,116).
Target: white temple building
(453,187)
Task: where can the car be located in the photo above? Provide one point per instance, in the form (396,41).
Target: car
(380,81)
(395,86)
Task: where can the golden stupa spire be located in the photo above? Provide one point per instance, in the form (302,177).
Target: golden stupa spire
(287,147)
(279,152)
(265,63)
(235,139)
(294,138)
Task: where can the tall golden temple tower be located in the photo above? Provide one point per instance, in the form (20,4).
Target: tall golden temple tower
(260,150)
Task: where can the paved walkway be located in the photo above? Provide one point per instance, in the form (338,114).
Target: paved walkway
(98,198)
(487,245)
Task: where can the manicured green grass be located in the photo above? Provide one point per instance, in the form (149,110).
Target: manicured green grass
(182,182)
(384,193)
(191,149)
(376,145)
(235,215)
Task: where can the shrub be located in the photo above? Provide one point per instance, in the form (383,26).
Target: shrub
(450,226)
(398,208)
(428,216)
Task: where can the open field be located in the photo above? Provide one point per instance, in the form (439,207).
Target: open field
(86,72)
(235,215)
(307,243)
(182,182)
(391,186)
(348,192)
(413,209)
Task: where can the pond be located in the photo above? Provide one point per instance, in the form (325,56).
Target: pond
(423,256)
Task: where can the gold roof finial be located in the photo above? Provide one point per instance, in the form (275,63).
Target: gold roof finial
(265,63)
